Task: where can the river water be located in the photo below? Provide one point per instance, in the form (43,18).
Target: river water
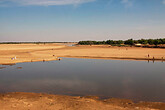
(135,80)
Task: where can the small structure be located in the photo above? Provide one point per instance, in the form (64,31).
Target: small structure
(138,45)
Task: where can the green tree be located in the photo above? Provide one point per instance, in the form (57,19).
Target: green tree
(151,41)
(109,42)
(129,42)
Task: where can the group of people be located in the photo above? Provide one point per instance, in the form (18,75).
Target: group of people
(154,57)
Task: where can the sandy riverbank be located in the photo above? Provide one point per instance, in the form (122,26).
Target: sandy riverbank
(37,101)
(26,52)
(47,52)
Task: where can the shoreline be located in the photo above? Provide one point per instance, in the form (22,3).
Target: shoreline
(43,101)
(88,57)
(50,52)
(14,63)
(115,58)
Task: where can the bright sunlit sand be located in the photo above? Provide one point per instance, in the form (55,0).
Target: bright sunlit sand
(48,52)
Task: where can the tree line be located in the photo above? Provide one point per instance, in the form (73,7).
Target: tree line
(126,42)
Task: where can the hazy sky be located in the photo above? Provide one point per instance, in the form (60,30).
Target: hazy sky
(74,20)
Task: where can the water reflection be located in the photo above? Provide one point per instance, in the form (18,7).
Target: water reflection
(136,80)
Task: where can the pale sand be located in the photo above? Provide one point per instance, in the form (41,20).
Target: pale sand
(35,52)
(26,52)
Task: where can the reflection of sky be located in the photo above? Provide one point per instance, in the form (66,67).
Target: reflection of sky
(106,78)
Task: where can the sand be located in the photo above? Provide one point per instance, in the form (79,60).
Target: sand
(38,101)
(17,53)
(47,52)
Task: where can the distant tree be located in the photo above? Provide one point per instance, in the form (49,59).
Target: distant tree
(156,42)
(110,42)
(136,42)
(119,42)
(129,42)
(151,41)
(143,41)
(104,42)
(162,41)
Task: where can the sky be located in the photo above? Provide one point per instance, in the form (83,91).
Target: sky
(77,20)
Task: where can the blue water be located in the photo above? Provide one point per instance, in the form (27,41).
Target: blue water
(136,80)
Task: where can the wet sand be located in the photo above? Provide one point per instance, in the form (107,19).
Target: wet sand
(48,52)
(38,101)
